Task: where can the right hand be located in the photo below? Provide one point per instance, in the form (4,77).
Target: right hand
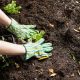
(38,49)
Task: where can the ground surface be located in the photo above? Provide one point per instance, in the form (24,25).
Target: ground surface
(59,18)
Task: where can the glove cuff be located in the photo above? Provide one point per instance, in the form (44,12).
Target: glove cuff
(12,27)
(25,55)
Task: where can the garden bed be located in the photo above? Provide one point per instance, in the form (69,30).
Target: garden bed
(60,19)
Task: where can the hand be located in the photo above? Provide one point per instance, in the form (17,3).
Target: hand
(22,31)
(38,49)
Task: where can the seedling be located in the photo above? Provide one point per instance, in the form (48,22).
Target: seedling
(3,61)
(38,36)
(12,8)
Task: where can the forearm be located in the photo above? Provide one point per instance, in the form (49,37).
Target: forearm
(7,48)
(4,19)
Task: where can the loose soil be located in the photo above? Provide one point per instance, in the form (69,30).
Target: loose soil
(61,21)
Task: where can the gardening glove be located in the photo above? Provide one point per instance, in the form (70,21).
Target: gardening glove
(38,49)
(22,31)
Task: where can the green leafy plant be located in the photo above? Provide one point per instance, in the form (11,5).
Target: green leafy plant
(3,62)
(12,8)
(38,36)
(6,61)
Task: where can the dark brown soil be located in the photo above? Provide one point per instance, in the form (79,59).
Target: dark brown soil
(59,18)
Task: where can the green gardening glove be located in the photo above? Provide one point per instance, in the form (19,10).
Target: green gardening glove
(38,49)
(22,31)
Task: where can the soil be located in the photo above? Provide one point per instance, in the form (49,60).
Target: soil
(61,21)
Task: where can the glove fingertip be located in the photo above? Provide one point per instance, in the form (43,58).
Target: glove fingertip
(47,44)
(33,26)
(40,41)
(45,57)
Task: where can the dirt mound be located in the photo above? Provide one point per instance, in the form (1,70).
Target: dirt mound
(61,21)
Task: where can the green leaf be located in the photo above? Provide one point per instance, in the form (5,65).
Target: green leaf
(12,8)
(38,35)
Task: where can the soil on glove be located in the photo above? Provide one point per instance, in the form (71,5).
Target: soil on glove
(61,21)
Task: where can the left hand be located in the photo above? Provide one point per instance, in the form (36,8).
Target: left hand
(22,31)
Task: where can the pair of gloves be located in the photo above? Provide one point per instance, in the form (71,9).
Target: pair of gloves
(38,49)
